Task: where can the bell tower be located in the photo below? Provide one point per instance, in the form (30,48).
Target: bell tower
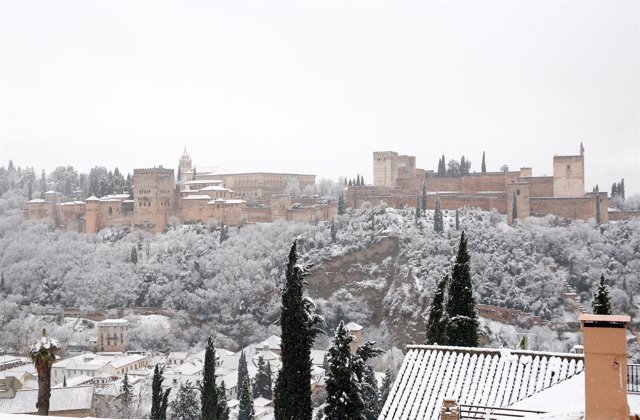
(184,167)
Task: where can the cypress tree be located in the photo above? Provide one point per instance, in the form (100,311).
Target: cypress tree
(370,394)
(613,190)
(126,397)
(387,383)
(2,285)
(344,398)
(598,215)
(246,411)
(484,165)
(299,327)
(423,202)
(43,184)
(334,231)
(134,255)
(158,397)
(64,381)
(243,372)
(601,302)
(209,392)
(514,208)
(185,406)
(437,321)
(438,221)
(341,205)
(222,407)
(30,194)
(224,233)
(462,329)
(262,384)
(621,189)
(345,378)
(463,166)
(457,220)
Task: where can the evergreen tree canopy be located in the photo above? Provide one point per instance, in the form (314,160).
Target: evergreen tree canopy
(437,322)
(243,372)
(344,393)
(246,411)
(300,326)
(370,394)
(438,220)
(387,383)
(601,301)
(462,329)
(134,255)
(457,220)
(514,207)
(126,397)
(484,165)
(333,230)
(417,212)
(423,199)
(185,406)
(210,395)
(262,384)
(341,205)
(158,397)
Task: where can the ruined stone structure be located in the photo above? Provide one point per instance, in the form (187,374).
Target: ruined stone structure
(397,181)
(157,197)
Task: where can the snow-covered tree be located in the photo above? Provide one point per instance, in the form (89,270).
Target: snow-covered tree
(344,391)
(185,406)
(462,328)
(601,302)
(370,394)
(333,230)
(385,388)
(242,369)
(438,220)
(125,397)
(210,394)
(437,321)
(300,326)
(345,378)
(262,384)
(159,397)
(246,411)
(342,207)
(43,355)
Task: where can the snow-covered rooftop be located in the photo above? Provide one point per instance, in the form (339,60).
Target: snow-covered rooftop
(352,326)
(477,376)
(197,197)
(36,200)
(62,399)
(108,322)
(215,188)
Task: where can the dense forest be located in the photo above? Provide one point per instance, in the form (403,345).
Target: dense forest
(232,286)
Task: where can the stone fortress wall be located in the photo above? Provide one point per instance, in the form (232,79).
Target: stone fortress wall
(397,182)
(195,197)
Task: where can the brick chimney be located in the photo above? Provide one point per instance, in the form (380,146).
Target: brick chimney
(605,360)
(449,409)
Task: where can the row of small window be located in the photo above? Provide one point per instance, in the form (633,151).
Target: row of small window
(144,191)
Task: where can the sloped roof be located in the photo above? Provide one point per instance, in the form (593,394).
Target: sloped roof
(62,399)
(478,376)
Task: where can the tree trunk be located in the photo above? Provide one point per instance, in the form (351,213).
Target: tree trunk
(44,389)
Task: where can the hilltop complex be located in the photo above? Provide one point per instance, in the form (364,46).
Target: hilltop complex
(397,182)
(232,199)
(194,196)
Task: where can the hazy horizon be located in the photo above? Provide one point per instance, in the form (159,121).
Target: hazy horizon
(310,87)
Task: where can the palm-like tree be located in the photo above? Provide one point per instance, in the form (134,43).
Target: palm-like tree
(43,356)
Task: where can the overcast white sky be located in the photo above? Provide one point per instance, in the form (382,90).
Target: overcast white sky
(315,87)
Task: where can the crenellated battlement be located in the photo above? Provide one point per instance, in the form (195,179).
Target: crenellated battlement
(153,171)
(385,154)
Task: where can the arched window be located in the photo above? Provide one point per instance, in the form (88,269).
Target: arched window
(110,211)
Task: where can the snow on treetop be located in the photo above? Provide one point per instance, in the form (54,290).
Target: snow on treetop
(45,343)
